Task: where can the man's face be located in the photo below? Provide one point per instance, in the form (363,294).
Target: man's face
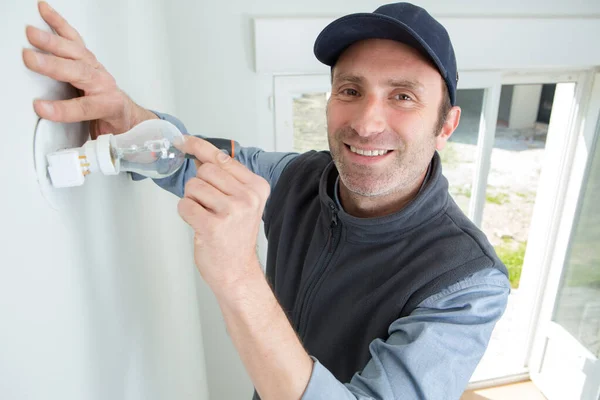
(384,104)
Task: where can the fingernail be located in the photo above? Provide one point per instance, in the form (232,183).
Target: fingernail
(47,4)
(46,107)
(222,157)
(178,142)
(39,58)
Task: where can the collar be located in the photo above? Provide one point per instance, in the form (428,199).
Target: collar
(429,202)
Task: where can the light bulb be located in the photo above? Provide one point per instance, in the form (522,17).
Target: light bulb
(147,149)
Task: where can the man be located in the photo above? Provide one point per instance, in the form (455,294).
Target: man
(381,287)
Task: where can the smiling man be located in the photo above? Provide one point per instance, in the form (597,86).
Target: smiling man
(377,286)
(385,123)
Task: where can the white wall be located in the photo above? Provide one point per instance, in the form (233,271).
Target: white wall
(218,93)
(98,299)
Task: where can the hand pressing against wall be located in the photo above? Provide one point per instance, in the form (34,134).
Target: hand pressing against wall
(108,108)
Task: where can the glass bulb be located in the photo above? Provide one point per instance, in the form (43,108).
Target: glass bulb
(148,149)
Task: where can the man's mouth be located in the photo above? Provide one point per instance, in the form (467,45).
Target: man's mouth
(368,152)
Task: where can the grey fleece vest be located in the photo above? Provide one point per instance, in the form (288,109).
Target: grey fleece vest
(343,280)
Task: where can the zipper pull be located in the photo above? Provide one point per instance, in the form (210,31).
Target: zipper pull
(334,222)
(334,216)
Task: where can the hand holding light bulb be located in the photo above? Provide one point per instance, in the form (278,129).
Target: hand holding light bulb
(223,204)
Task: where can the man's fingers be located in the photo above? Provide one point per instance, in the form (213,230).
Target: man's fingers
(76,72)
(58,46)
(206,195)
(199,148)
(80,109)
(205,152)
(219,178)
(193,213)
(58,23)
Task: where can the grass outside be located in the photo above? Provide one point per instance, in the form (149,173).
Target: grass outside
(456,191)
(512,254)
(493,195)
(497,198)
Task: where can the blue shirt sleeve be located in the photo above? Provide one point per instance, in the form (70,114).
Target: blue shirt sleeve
(268,165)
(429,354)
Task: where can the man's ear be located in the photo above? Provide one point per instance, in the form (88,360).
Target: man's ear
(450,125)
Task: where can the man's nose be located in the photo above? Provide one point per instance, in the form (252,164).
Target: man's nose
(370,118)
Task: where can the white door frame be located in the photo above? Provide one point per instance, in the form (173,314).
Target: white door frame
(564,128)
(571,181)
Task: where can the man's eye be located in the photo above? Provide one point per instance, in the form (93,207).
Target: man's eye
(403,97)
(350,92)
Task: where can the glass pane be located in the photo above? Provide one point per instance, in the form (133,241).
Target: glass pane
(516,164)
(310,123)
(458,157)
(578,302)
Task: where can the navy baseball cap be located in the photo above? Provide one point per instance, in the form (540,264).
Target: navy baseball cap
(403,22)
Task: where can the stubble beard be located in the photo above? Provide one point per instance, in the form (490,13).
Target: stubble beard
(375,181)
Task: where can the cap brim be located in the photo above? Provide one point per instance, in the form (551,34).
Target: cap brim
(345,31)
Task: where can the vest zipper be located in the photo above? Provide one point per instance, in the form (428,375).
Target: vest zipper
(334,222)
(316,278)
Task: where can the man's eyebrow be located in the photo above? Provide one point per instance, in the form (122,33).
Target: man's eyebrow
(402,83)
(348,78)
(408,84)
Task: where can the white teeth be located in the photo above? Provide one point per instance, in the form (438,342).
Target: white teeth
(369,153)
